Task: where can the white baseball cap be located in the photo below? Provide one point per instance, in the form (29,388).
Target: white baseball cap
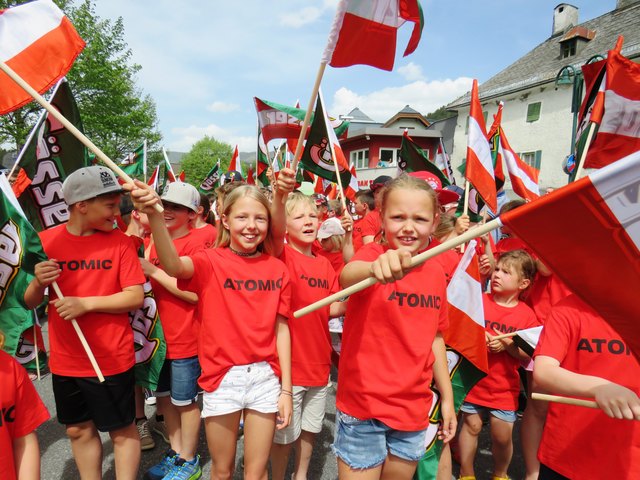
(183,194)
(89,182)
(331,226)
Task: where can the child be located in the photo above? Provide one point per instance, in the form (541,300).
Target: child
(22,412)
(98,270)
(370,227)
(178,383)
(335,236)
(312,278)
(392,345)
(364,204)
(244,342)
(201,226)
(498,392)
(581,355)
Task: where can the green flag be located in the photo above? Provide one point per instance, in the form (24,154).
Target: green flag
(211,181)
(133,164)
(476,204)
(20,250)
(415,159)
(262,160)
(51,155)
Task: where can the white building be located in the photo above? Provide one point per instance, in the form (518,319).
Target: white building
(537,114)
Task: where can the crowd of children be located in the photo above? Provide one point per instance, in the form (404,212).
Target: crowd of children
(226,290)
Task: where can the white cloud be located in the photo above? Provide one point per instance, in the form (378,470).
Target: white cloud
(411,72)
(223,107)
(421,95)
(185,137)
(300,18)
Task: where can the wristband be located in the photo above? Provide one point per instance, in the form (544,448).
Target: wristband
(286,392)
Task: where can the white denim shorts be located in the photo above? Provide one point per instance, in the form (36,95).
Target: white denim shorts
(308,413)
(254,387)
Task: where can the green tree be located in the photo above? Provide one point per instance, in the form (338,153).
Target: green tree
(202,156)
(116,115)
(440,114)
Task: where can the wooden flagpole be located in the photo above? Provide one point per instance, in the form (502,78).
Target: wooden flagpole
(35,346)
(415,261)
(68,125)
(566,400)
(585,150)
(307,115)
(82,338)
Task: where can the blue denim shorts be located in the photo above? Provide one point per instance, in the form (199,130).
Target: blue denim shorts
(179,378)
(363,444)
(508,416)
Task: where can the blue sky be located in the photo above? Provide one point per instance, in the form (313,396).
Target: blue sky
(204,61)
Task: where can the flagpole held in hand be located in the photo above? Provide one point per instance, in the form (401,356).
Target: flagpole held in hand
(68,125)
(566,400)
(82,338)
(415,261)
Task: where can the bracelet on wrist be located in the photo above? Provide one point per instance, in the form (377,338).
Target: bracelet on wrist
(286,392)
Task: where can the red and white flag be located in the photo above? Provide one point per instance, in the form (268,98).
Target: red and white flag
(443,162)
(235,165)
(524,178)
(618,104)
(155,178)
(40,44)
(364,32)
(588,234)
(479,165)
(466,313)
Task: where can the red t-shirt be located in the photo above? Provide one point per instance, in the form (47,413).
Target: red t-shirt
(582,442)
(207,235)
(312,279)
(371,224)
(178,318)
(244,296)
(336,259)
(544,293)
(386,359)
(21,408)
(101,264)
(448,260)
(357,234)
(500,388)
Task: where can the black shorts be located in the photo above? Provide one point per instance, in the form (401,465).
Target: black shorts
(547,474)
(110,405)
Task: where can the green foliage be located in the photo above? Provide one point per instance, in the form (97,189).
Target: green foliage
(202,156)
(440,114)
(116,115)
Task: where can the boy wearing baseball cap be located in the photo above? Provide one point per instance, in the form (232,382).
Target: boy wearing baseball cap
(178,383)
(97,269)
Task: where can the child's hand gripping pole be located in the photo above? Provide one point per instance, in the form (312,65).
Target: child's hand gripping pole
(415,261)
(68,125)
(82,338)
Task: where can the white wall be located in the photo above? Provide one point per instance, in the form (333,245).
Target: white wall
(551,133)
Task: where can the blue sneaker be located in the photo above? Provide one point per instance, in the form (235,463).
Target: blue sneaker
(183,470)
(160,470)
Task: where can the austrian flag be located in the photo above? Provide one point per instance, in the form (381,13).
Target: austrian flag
(364,32)
(40,44)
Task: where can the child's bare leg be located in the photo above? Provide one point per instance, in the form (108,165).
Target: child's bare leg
(280,459)
(172,422)
(87,449)
(126,450)
(445,467)
(531,431)
(395,468)
(468,442)
(222,435)
(304,449)
(501,445)
(189,429)
(258,437)
(346,473)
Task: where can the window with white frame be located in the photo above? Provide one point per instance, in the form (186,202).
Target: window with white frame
(533,159)
(360,158)
(388,157)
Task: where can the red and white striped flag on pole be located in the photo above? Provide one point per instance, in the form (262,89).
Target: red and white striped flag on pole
(524,178)
(588,234)
(234,164)
(40,44)
(364,32)
(479,164)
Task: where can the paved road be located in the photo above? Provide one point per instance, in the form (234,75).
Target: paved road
(57,461)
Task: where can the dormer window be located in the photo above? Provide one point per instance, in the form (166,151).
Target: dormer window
(574,39)
(568,48)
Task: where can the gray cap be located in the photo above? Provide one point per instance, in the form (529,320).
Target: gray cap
(183,194)
(89,182)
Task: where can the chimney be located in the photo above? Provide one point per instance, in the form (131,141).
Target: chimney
(624,3)
(565,16)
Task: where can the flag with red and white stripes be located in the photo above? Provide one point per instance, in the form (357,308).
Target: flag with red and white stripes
(479,163)
(40,44)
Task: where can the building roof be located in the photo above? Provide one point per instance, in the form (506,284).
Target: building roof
(358,116)
(542,64)
(407,112)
